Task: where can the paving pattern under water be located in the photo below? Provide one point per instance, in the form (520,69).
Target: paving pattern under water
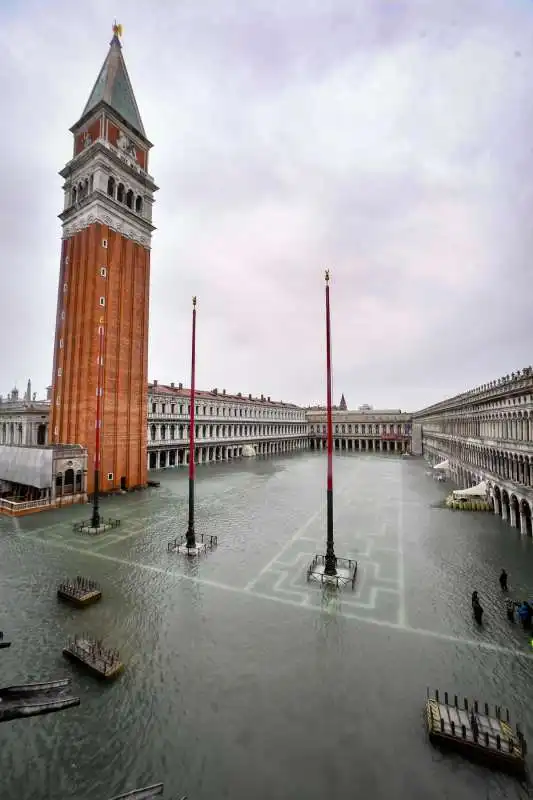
(243,681)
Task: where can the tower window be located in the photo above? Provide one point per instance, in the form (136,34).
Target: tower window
(65,287)
(57,400)
(59,372)
(103,272)
(62,315)
(109,476)
(104,244)
(139,204)
(129,199)
(120,193)
(102,301)
(61,344)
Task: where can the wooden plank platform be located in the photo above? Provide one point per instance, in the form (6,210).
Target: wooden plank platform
(99,660)
(485,738)
(79,591)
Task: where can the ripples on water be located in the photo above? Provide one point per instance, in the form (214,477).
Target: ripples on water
(227,694)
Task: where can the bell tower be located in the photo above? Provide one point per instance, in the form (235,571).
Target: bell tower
(104,282)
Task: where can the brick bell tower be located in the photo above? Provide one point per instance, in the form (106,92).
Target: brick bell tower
(104,282)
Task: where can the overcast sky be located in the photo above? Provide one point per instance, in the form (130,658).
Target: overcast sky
(389,140)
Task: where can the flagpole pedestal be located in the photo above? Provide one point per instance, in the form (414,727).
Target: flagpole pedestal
(345,572)
(200,547)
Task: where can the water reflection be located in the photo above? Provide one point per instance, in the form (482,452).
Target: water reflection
(284,689)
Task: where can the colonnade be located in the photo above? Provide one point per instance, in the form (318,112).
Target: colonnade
(161,458)
(363,445)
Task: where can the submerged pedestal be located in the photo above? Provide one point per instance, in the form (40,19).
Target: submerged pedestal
(87,527)
(346,570)
(202,544)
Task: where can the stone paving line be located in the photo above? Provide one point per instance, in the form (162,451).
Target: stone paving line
(303,604)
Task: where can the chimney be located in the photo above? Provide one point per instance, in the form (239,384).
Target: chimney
(262,397)
(155,383)
(172,386)
(215,390)
(249,397)
(223,391)
(268,398)
(239,394)
(180,386)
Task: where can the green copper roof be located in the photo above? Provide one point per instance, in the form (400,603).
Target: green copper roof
(114,88)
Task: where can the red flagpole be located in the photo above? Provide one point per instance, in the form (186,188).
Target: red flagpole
(95,522)
(330,561)
(191,542)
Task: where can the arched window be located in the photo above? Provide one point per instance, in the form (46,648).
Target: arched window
(139,204)
(69,481)
(172,432)
(74,196)
(111,187)
(152,433)
(129,198)
(41,434)
(120,193)
(163,431)
(91,183)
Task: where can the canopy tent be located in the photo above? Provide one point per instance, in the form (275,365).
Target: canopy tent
(443,465)
(481,490)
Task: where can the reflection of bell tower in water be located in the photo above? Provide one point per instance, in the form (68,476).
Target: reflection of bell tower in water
(104,281)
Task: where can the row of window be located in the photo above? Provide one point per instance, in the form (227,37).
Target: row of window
(174,408)
(368,428)
(115,190)
(223,431)
(119,193)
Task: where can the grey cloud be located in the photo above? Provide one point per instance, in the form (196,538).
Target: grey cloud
(388,141)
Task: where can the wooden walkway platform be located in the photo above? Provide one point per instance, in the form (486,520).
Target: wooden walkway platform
(472,730)
(100,660)
(79,591)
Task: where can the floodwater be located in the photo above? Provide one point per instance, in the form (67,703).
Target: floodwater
(243,681)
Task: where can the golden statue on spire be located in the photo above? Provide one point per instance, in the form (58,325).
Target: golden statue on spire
(117,29)
(327,276)
(194,302)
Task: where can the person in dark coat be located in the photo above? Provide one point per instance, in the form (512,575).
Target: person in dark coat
(475,598)
(503,580)
(478,611)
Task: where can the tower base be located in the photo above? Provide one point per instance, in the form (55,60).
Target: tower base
(87,527)
(202,545)
(345,576)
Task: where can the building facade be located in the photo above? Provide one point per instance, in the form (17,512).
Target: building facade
(487,434)
(103,293)
(224,425)
(366,430)
(24,422)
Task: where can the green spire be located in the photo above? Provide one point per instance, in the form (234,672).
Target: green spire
(114,88)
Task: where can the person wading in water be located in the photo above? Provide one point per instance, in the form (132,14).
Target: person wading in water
(477,608)
(503,580)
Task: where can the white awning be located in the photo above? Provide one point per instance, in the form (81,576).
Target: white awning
(442,465)
(30,466)
(481,490)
